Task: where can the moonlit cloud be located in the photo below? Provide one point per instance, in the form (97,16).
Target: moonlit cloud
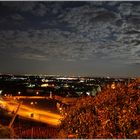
(71,32)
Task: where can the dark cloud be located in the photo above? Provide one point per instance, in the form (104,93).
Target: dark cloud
(20,5)
(71,32)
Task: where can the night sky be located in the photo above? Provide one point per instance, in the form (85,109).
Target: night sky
(70,38)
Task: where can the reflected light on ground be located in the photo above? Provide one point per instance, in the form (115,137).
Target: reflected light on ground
(44,116)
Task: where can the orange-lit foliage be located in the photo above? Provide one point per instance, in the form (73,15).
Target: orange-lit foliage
(113,113)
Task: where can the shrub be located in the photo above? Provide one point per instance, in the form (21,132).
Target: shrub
(6,133)
(113,113)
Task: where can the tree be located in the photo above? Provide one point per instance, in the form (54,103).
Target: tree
(6,132)
(113,113)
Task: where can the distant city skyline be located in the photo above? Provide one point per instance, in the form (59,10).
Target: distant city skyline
(70,38)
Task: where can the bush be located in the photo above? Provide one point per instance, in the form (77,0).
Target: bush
(113,113)
(6,133)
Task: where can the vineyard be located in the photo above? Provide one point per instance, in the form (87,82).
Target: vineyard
(36,132)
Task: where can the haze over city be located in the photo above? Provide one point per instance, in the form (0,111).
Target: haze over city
(70,38)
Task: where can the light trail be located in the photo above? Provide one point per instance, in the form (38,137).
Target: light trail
(44,116)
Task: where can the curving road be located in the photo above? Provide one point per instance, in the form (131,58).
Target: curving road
(26,111)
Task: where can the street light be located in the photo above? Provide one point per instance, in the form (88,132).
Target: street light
(33,111)
(32,103)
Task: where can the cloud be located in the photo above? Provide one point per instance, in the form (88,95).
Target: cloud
(35,8)
(20,5)
(41,10)
(49,44)
(102,27)
(17,17)
(89,31)
(31,56)
(125,9)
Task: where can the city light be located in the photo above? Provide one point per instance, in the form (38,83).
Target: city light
(32,103)
(88,93)
(44,85)
(113,86)
(39,103)
(0,91)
